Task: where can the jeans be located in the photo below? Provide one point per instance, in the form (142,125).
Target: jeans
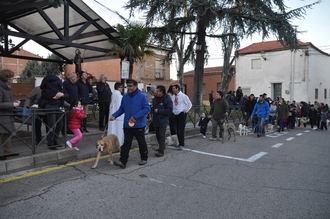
(280,123)
(215,124)
(129,133)
(77,136)
(260,127)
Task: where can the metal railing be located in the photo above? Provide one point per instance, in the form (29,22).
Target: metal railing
(29,117)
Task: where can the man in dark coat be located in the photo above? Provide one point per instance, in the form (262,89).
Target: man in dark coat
(248,108)
(162,107)
(52,99)
(104,98)
(83,90)
(219,111)
(7,105)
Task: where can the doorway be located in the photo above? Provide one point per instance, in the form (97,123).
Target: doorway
(277,90)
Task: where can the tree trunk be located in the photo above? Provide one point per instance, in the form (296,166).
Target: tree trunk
(131,64)
(228,48)
(199,65)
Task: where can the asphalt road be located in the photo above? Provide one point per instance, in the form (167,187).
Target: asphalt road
(277,176)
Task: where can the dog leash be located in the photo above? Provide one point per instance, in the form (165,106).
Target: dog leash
(105,131)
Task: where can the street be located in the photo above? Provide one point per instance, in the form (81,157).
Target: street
(284,175)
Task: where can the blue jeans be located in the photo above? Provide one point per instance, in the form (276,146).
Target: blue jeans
(260,126)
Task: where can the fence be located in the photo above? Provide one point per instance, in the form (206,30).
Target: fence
(30,117)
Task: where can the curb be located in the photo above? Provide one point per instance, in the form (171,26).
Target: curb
(63,156)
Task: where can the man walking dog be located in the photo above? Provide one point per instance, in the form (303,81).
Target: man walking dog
(136,107)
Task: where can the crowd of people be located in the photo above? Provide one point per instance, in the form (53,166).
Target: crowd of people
(125,114)
(122,114)
(279,113)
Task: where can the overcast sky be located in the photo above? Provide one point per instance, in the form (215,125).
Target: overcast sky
(315,27)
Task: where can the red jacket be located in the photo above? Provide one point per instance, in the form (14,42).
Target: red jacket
(76,116)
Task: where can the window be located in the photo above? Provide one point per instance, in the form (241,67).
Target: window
(325,93)
(159,69)
(316,93)
(255,63)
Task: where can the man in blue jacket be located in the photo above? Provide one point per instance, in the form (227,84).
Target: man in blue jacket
(261,111)
(136,107)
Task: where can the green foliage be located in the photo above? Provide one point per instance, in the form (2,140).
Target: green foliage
(32,69)
(40,68)
(133,41)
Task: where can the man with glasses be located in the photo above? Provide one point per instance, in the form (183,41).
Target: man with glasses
(136,107)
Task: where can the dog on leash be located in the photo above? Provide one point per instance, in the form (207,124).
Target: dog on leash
(172,140)
(269,128)
(108,144)
(242,129)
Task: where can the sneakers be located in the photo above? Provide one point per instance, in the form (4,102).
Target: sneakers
(76,148)
(204,136)
(143,162)
(119,164)
(68,143)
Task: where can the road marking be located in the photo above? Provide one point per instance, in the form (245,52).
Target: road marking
(44,170)
(256,156)
(290,139)
(155,180)
(277,145)
(299,134)
(276,134)
(250,159)
(307,131)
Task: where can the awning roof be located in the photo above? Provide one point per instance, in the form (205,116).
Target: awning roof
(61,30)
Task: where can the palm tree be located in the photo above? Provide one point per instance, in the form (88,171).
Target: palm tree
(133,39)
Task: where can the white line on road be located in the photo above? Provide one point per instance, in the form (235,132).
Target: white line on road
(307,131)
(256,156)
(277,145)
(250,159)
(276,134)
(155,180)
(290,139)
(299,134)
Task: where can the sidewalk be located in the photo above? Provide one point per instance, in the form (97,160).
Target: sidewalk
(45,157)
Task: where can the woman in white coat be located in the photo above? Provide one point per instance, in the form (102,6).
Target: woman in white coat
(116,127)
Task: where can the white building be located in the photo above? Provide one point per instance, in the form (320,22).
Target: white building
(269,67)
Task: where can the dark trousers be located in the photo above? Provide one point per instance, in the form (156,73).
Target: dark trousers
(37,128)
(54,122)
(203,130)
(103,114)
(180,124)
(172,124)
(129,133)
(160,135)
(324,125)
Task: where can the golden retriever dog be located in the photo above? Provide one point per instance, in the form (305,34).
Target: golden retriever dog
(108,144)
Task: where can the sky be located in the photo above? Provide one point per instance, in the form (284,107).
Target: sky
(314,27)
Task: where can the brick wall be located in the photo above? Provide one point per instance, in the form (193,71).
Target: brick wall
(16,65)
(211,82)
(143,71)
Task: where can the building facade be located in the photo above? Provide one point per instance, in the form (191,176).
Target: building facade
(269,67)
(152,70)
(211,82)
(15,64)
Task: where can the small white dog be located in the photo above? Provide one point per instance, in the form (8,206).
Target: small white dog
(172,140)
(242,129)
